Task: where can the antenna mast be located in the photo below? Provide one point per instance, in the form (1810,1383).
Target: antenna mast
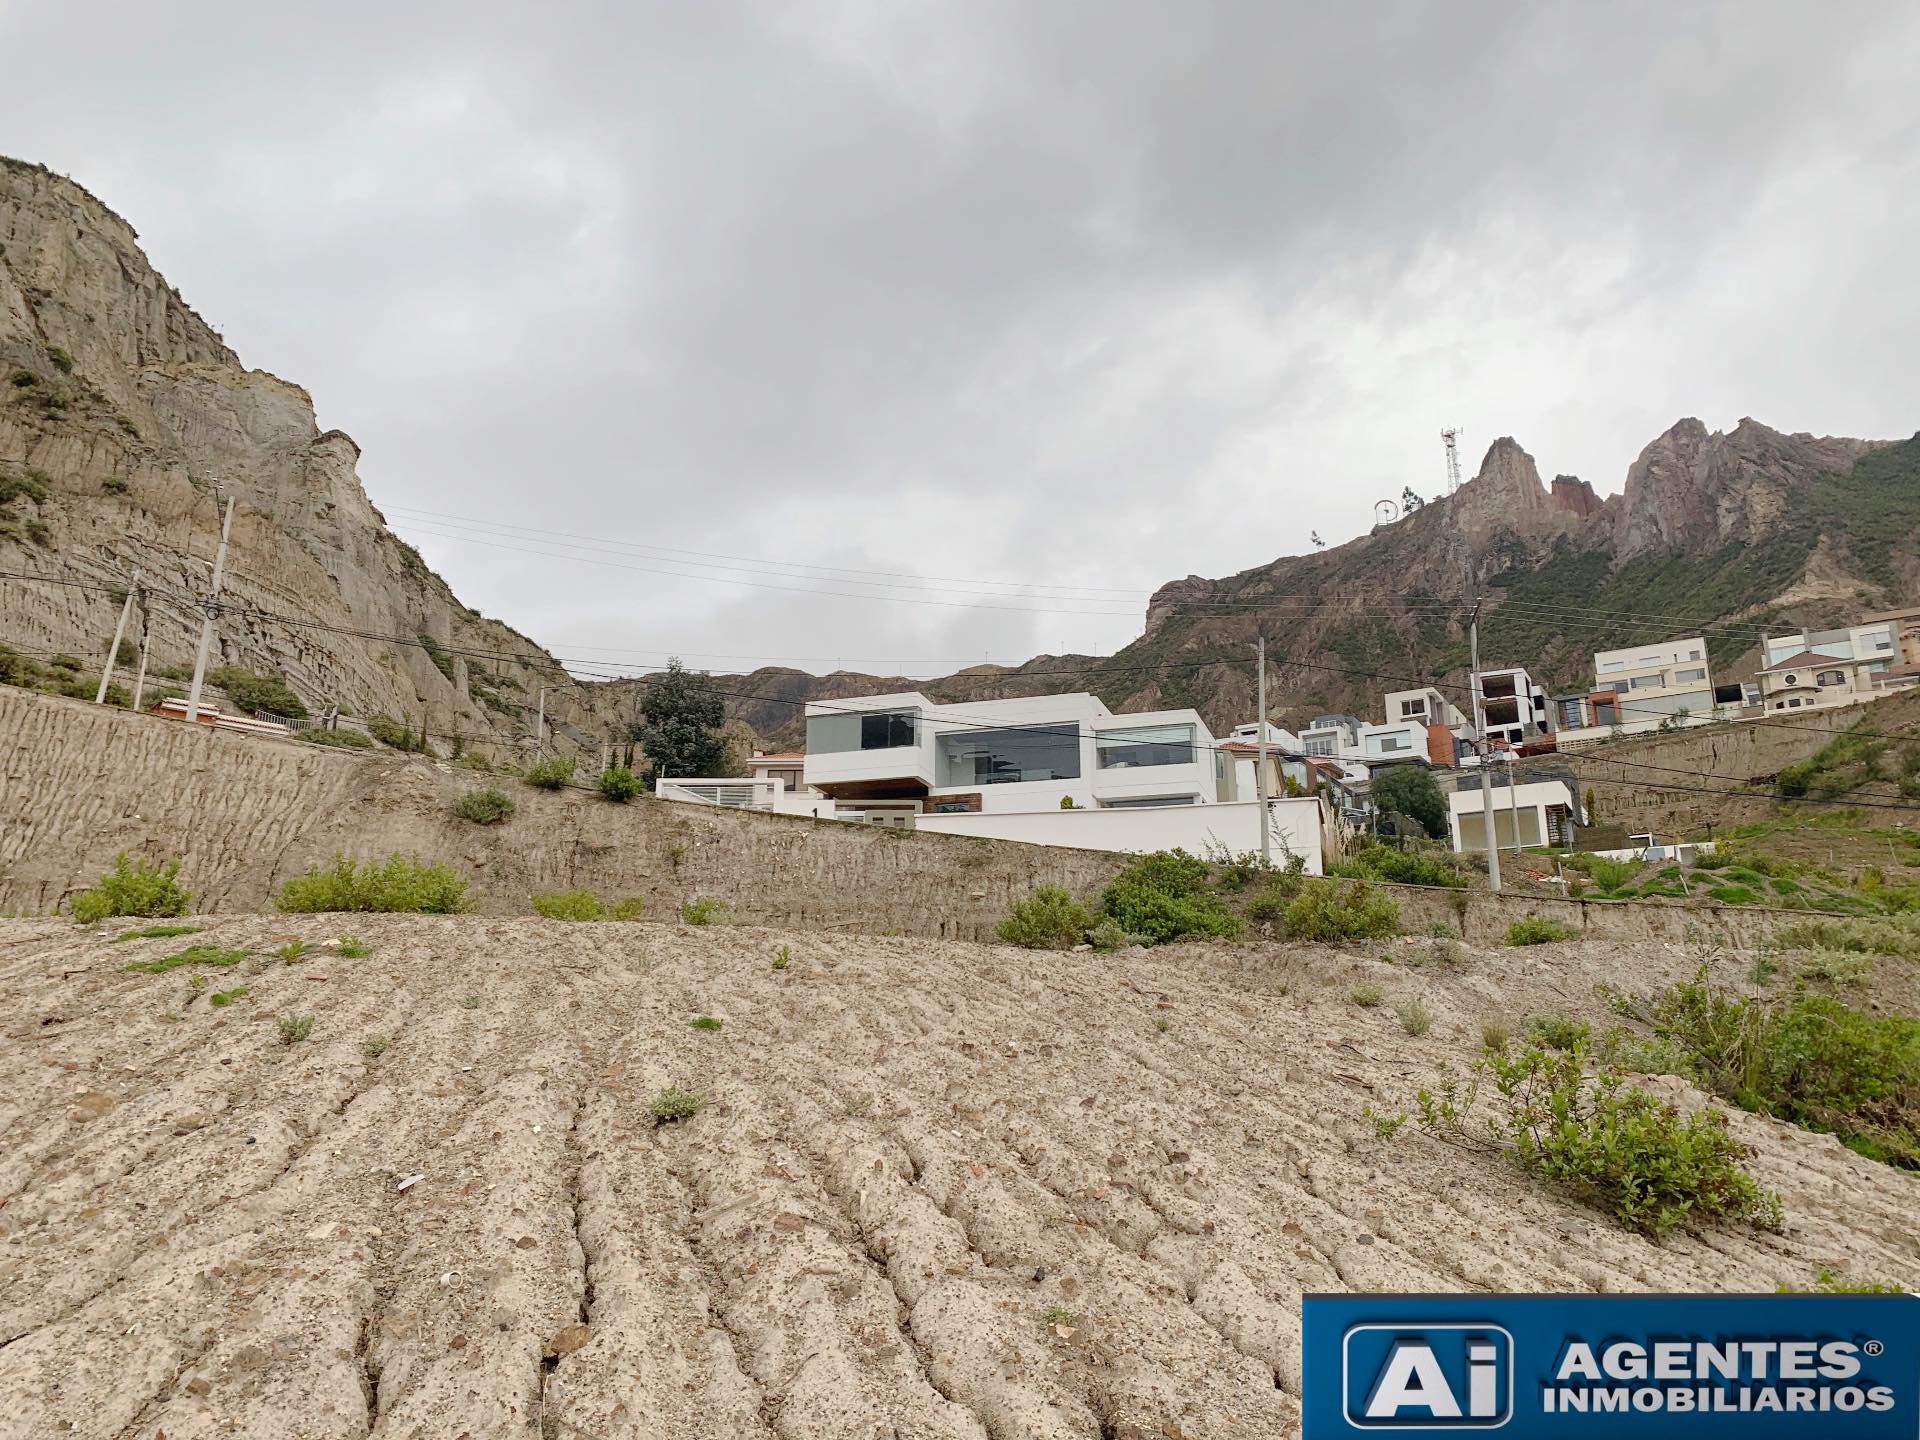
(1452,437)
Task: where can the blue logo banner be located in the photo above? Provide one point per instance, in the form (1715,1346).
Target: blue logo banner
(1760,1367)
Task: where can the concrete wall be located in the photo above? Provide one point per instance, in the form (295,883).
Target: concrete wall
(1197,829)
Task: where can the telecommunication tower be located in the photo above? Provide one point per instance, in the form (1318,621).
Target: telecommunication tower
(1452,438)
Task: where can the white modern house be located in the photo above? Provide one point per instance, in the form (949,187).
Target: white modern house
(1048,770)
(1817,669)
(1538,812)
(1428,706)
(1515,706)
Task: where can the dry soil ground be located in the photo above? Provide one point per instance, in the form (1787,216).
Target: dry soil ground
(913,1152)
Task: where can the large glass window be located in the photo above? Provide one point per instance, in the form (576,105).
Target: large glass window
(861,730)
(1150,802)
(1148,745)
(1002,757)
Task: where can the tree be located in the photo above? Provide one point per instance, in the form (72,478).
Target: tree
(680,718)
(1409,502)
(1414,793)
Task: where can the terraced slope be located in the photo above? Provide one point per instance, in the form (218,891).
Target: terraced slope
(912,1152)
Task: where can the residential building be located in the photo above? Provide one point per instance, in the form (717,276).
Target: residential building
(788,767)
(1022,755)
(1428,706)
(1515,705)
(1249,734)
(1409,741)
(1646,687)
(1336,736)
(1816,669)
(1525,812)
(1875,641)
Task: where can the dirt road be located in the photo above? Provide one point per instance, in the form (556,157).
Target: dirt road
(938,1190)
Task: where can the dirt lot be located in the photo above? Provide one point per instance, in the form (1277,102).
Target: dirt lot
(913,1151)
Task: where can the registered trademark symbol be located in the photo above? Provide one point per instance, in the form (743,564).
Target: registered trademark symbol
(1873,1347)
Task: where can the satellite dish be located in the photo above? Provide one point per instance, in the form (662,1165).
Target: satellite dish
(1385,512)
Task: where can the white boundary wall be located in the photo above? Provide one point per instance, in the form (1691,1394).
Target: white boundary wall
(1297,827)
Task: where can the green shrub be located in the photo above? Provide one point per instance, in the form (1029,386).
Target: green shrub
(1415,1017)
(673,1104)
(337,739)
(1269,907)
(1607,875)
(1808,1059)
(437,653)
(701,910)
(1898,935)
(1048,919)
(1558,1032)
(570,905)
(295,1028)
(220,999)
(1376,861)
(1635,1157)
(255,692)
(211,956)
(1368,994)
(705,1022)
(1324,910)
(1164,897)
(402,884)
(1825,1282)
(554,774)
(352,949)
(1837,967)
(1536,931)
(115,485)
(133,889)
(158,932)
(619,784)
(62,361)
(390,732)
(484,807)
(1733,895)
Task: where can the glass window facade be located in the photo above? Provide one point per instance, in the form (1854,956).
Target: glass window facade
(861,730)
(1003,757)
(1149,745)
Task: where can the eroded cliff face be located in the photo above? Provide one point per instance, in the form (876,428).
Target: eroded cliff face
(138,416)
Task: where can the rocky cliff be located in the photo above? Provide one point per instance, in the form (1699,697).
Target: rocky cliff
(125,421)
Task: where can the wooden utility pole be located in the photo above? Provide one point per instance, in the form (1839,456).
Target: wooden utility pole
(213,609)
(1260,761)
(113,650)
(146,650)
(1480,728)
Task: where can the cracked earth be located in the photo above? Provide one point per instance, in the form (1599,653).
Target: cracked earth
(938,1190)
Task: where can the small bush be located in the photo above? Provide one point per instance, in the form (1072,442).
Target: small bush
(1324,910)
(220,999)
(1048,919)
(1825,1282)
(403,885)
(782,957)
(1401,867)
(1558,1032)
(293,950)
(295,1028)
(701,910)
(619,784)
(133,889)
(1368,994)
(337,739)
(1733,894)
(194,956)
(258,693)
(484,807)
(115,485)
(1415,1017)
(554,774)
(1164,897)
(390,732)
(1640,1160)
(570,905)
(673,1104)
(1493,1036)
(1838,967)
(1536,931)
(352,949)
(374,1046)
(705,1022)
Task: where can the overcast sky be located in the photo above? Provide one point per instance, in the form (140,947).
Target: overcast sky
(1088,296)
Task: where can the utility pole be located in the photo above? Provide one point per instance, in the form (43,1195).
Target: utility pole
(1513,806)
(113,650)
(1480,728)
(146,649)
(540,727)
(213,609)
(1260,761)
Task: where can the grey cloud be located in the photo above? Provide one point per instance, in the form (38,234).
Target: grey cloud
(1081,293)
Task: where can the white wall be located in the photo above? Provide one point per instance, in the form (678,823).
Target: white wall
(1530,802)
(1194,828)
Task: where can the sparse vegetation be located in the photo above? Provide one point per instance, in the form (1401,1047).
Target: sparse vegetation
(1048,919)
(619,784)
(133,888)
(705,1022)
(1379,861)
(701,910)
(484,807)
(1058,1317)
(374,1046)
(337,739)
(674,1104)
(1537,931)
(352,949)
(391,733)
(1165,897)
(1493,1036)
(1415,1017)
(782,957)
(1635,1157)
(1558,1032)
(554,774)
(158,932)
(220,999)
(295,1028)
(115,485)
(1328,911)
(1367,994)
(402,884)
(293,950)
(210,956)
(585,905)
(1825,1282)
